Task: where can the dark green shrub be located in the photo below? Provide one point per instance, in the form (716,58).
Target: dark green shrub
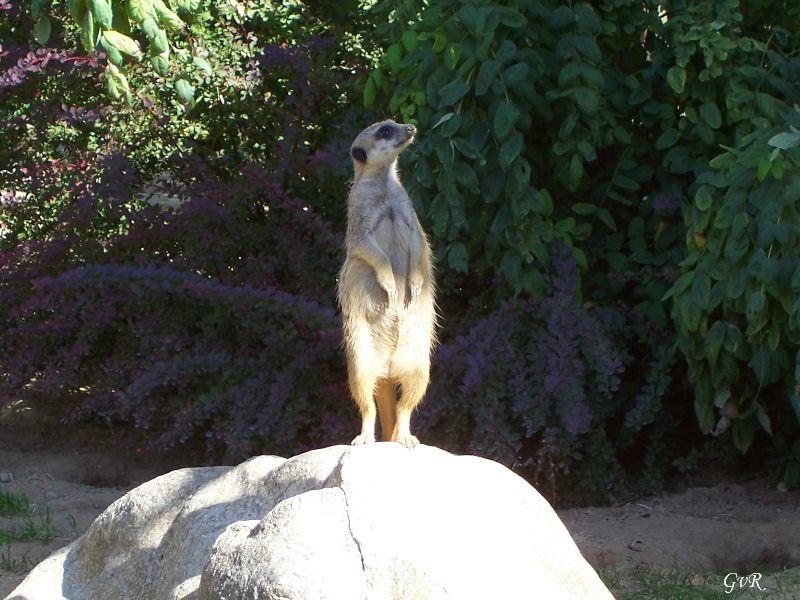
(592,125)
(736,301)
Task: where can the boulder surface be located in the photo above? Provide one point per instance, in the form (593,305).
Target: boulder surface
(369,522)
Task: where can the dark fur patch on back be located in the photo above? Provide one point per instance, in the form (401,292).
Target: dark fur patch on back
(359,154)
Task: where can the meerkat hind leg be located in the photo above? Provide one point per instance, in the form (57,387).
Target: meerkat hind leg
(362,386)
(386,399)
(413,385)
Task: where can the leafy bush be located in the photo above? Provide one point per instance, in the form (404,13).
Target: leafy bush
(590,126)
(190,343)
(736,301)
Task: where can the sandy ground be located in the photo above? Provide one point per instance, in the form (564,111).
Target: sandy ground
(74,473)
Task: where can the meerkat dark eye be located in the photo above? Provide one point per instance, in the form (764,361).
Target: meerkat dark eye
(385,132)
(359,154)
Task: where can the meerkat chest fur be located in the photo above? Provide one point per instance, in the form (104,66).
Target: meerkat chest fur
(391,221)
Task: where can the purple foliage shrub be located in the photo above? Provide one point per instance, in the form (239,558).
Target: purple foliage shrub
(536,384)
(213,320)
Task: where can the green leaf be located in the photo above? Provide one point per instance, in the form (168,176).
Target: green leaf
(784,141)
(714,340)
(511,266)
(703,403)
(160,42)
(588,47)
(587,151)
(451,55)
(561,18)
(160,64)
(88,39)
(580,258)
(120,20)
(755,304)
(506,52)
(605,216)
(451,126)
(721,397)
(112,54)
(510,150)
(37,6)
(394,56)
(443,119)
(486,76)
(465,147)
(185,91)
(711,115)
(701,290)
(703,198)
(584,208)
(722,161)
(452,93)
(202,64)
(166,17)
(139,10)
(504,119)
(743,432)
(515,74)
(763,419)
(681,285)
(768,106)
(457,257)
(574,172)
(587,18)
(76,9)
(111,88)
(667,139)
(757,312)
(676,78)
(103,15)
(122,43)
(511,18)
(41,31)
(370,92)
(410,40)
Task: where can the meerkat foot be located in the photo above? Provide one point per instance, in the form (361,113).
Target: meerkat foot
(363,438)
(407,440)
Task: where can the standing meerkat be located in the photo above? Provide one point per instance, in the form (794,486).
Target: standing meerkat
(386,288)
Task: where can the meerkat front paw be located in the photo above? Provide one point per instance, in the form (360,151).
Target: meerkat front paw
(407,440)
(390,288)
(414,289)
(363,438)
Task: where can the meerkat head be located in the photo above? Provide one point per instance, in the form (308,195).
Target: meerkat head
(380,144)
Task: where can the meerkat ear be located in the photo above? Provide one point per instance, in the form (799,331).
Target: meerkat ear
(359,154)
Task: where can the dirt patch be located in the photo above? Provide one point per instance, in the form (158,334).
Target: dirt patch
(71,473)
(727,527)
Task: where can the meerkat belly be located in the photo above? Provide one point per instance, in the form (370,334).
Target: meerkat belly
(393,235)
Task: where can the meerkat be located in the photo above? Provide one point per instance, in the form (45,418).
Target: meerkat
(386,289)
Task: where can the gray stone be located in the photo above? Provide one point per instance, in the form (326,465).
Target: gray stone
(370,522)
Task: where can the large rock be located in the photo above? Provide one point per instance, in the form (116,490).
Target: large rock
(371,522)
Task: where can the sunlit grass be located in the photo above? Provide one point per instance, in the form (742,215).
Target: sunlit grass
(645,583)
